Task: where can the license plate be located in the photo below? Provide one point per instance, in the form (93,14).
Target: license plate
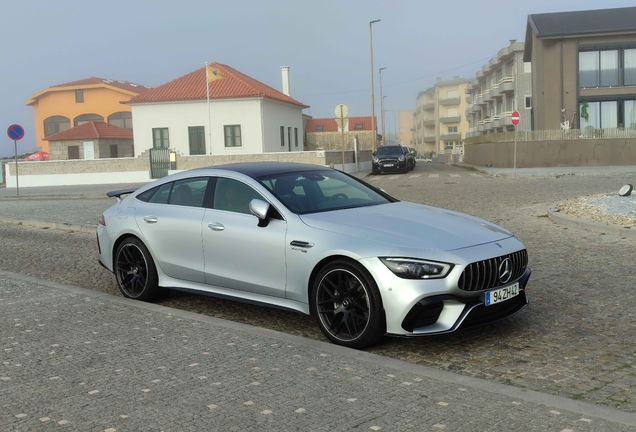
(502,294)
(388,165)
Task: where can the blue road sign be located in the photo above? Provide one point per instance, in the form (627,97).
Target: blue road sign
(15,132)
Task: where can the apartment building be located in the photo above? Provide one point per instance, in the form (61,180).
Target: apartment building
(439,122)
(405,128)
(583,69)
(501,86)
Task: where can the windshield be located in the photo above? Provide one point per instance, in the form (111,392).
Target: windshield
(317,191)
(389,150)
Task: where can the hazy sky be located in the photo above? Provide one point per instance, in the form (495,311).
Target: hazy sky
(325,43)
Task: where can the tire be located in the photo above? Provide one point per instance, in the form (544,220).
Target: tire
(406,168)
(347,305)
(135,271)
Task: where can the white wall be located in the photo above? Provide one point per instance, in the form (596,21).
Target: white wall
(249,113)
(275,115)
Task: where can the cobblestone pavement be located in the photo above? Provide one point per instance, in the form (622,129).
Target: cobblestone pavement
(77,359)
(576,339)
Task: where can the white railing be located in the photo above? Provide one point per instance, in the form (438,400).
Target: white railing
(553,135)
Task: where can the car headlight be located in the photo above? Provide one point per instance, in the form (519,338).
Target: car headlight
(376,160)
(410,268)
(401,158)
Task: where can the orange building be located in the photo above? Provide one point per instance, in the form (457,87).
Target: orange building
(64,106)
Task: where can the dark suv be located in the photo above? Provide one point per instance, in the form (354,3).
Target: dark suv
(392,158)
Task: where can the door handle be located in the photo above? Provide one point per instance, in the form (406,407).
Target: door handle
(151,219)
(215,226)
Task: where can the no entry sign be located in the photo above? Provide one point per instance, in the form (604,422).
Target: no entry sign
(515,118)
(15,132)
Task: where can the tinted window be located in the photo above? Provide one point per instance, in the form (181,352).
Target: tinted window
(145,197)
(189,192)
(315,191)
(233,195)
(162,195)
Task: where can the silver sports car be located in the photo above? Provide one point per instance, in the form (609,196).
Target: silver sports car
(318,241)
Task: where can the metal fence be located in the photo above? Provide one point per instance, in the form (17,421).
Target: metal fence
(553,135)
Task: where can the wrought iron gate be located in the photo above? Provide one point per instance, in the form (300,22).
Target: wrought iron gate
(159,162)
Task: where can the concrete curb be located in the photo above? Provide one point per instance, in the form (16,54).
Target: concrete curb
(563,219)
(558,402)
(62,226)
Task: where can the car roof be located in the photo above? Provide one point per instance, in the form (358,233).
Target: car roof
(260,169)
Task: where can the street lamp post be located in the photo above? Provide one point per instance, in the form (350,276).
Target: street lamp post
(373,125)
(383,114)
(382,108)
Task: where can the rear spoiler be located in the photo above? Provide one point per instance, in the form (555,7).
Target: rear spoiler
(118,193)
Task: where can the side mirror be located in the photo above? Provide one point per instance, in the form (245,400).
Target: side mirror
(260,209)
(373,154)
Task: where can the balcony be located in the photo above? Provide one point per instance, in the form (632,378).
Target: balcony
(451,119)
(429,138)
(480,99)
(505,119)
(486,96)
(429,106)
(495,93)
(429,123)
(450,137)
(449,101)
(506,85)
(472,132)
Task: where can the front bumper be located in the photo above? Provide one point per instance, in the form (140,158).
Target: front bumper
(398,166)
(424,317)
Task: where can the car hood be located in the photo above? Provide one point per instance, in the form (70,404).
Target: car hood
(409,225)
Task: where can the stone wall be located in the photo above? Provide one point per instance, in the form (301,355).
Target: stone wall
(553,153)
(333,140)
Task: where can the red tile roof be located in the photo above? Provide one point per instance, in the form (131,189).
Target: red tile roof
(124,85)
(91,130)
(192,87)
(130,88)
(330,125)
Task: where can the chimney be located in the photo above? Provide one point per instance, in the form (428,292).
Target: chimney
(285,71)
(512,41)
(438,79)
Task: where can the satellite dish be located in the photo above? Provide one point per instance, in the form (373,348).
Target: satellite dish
(626,190)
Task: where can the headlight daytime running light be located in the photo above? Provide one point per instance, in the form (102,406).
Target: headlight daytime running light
(376,160)
(411,268)
(401,158)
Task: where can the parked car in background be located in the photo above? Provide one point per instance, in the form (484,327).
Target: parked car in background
(392,158)
(317,241)
(409,154)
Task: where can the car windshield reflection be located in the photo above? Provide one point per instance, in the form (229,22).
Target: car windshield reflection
(318,191)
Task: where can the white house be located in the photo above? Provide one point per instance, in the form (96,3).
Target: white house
(242,116)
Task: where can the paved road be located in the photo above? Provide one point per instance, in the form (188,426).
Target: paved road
(77,359)
(576,340)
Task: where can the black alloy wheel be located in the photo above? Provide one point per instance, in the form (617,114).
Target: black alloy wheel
(135,271)
(347,305)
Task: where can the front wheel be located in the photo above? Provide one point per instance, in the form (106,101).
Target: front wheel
(346,303)
(135,271)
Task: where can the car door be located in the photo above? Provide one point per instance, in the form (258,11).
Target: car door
(170,222)
(238,253)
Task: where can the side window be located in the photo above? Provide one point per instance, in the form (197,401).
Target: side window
(189,192)
(235,196)
(145,197)
(162,194)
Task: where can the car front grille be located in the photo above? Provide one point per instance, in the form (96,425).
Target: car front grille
(483,275)
(388,161)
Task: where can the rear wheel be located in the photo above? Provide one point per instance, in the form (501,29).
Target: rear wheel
(135,271)
(346,303)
